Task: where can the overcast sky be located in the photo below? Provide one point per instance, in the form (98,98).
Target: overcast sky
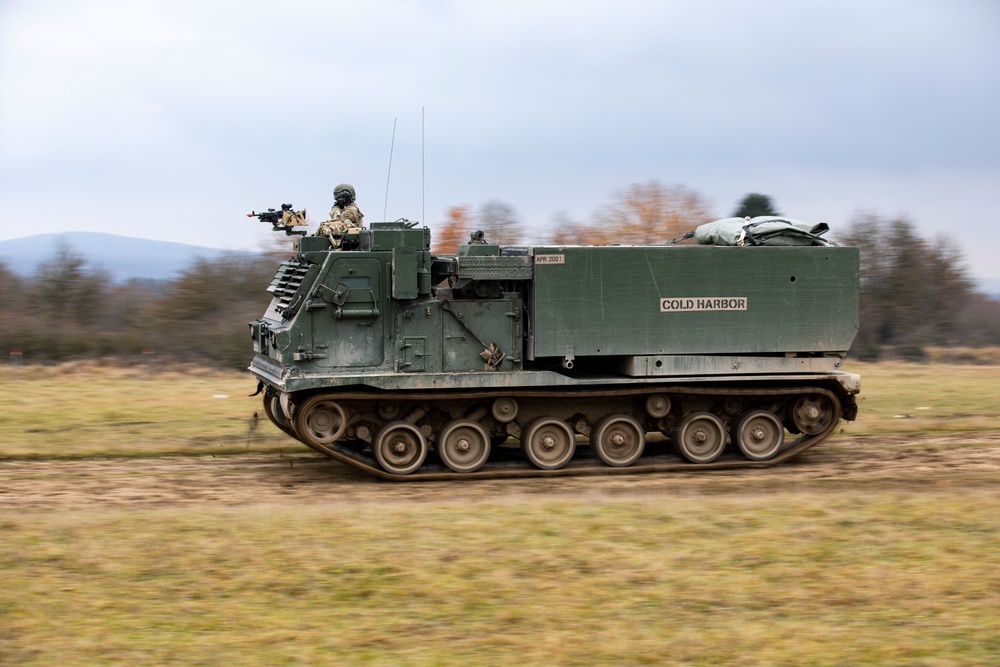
(171,120)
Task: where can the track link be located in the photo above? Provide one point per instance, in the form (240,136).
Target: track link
(586,464)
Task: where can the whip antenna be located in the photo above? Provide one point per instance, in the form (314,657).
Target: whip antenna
(423,197)
(392,144)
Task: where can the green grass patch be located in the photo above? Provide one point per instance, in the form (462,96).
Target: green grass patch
(881,578)
(815,575)
(78,410)
(85,410)
(901,398)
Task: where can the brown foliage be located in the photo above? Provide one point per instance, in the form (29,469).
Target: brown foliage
(68,310)
(454,230)
(67,289)
(914,292)
(643,213)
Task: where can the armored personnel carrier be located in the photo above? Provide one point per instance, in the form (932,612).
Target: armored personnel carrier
(554,360)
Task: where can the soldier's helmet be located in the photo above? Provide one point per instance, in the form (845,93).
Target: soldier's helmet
(339,190)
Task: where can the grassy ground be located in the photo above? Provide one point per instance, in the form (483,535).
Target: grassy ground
(803,575)
(82,409)
(793,579)
(902,398)
(86,410)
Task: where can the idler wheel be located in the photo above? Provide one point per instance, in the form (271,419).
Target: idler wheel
(464,445)
(400,447)
(548,443)
(759,434)
(700,437)
(813,413)
(618,440)
(320,420)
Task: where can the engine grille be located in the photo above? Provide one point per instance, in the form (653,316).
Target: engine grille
(286,283)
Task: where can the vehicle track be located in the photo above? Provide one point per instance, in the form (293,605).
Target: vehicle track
(908,463)
(499,465)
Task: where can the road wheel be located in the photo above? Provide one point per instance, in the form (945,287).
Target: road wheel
(618,440)
(700,437)
(400,447)
(548,443)
(463,445)
(759,435)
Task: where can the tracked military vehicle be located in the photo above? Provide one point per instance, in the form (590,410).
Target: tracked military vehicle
(555,360)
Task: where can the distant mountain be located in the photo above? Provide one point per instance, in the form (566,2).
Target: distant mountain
(990,286)
(122,257)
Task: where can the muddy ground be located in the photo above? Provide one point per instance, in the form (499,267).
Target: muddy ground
(918,463)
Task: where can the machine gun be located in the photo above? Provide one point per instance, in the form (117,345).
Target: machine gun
(283,220)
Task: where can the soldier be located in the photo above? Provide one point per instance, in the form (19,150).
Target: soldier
(345,216)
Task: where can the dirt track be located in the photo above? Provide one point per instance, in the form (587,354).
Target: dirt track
(916,463)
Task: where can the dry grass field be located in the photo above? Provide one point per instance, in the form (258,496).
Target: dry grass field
(899,398)
(143,521)
(86,409)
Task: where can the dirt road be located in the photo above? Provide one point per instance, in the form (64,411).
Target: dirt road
(917,463)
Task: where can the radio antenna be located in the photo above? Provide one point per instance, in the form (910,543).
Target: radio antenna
(392,144)
(423,188)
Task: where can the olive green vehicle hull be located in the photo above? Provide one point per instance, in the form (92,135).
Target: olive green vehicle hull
(415,366)
(686,370)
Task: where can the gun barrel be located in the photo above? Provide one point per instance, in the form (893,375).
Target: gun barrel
(284,220)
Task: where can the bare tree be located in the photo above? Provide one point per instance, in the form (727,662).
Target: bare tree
(913,291)
(979,322)
(652,212)
(643,213)
(568,231)
(13,288)
(500,223)
(65,287)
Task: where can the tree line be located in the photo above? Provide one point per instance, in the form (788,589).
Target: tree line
(915,292)
(69,310)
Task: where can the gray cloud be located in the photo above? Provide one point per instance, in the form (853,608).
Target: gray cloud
(116,115)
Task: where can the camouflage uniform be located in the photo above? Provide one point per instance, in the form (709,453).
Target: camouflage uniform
(342,221)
